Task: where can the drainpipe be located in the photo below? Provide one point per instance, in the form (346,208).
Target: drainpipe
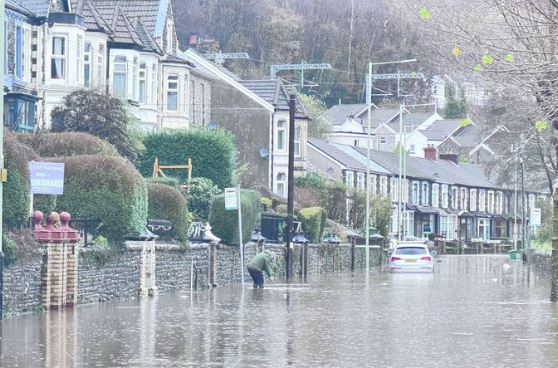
(2,168)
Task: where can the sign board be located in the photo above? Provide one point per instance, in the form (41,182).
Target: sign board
(426,229)
(46,177)
(231,199)
(535,217)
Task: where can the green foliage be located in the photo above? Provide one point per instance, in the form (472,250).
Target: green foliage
(333,200)
(225,223)
(313,222)
(136,134)
(310,181)
(19,244)
(107,188)
(318,127)
(544,233)
(168,203)
(167,180)
(66,144)
(381,215)
(201,192)
(357,209)
(16,196)
(455,109)
(44,203)
(96,113)
(266,203)
(212,154)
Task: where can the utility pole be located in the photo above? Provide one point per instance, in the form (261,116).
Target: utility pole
(368,133)
(290,189)
(2,61)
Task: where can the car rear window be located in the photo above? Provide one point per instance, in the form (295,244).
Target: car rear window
(412,251)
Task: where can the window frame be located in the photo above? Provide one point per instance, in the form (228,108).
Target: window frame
(281,135)
(281,180)
(172,79)
(87,65)
(62,57)
(142,83)
(120,61)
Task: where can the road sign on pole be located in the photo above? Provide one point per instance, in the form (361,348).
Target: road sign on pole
(231,199)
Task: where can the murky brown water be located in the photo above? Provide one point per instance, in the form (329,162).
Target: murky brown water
(471,312)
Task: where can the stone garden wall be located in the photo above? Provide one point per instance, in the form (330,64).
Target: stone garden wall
(121,274)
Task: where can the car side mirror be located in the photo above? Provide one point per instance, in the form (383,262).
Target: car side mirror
(434,253)
(389,252)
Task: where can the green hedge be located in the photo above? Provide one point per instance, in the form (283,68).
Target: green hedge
(15,200)
(201,192)
(168,203)
(313,222)
(107,188)
(212,154)
(66,144)
(225,223)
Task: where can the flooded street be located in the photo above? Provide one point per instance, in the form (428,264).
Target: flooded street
(472,312)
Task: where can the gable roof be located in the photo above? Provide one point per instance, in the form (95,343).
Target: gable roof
(469,137)
(91,16)
(274,92)
(199,61)
(145,37)
(16,6)
(38,7)
(336,154)
(339,113)
(152,12)
(123,31)
(414,119)
(441,129)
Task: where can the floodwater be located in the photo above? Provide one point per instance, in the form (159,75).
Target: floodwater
(472,312)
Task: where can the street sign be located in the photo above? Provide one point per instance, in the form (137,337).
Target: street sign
(231,202)
(46,177)
(535,217)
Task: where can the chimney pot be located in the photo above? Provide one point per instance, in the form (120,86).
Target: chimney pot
(430,152)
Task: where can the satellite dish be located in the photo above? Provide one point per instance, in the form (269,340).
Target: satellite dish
(212,125)
(330,171)
(264,152)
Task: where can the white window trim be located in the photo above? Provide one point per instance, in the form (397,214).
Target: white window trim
(435,195)
(174,79)
(282,131)
(142,79)
(445,196)
(123,61)
(63,57)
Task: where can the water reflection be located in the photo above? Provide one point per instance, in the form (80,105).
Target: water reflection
(473,311)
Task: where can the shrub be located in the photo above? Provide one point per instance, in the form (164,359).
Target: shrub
(97,113)
(16,196)
(381,215)
(310,181)
(313,222)
(19,244)
(212,154)
(168,203)
(67,144)
(225,222)
(201,192)
(171,182)
(333,200)
(107,188)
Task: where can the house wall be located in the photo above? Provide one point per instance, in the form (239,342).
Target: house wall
(249,123)
(178,119)
(199,99)
(415,144)
(350,139)
(148,111)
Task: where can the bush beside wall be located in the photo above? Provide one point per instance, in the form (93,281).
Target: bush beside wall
(168,203)
(107,188)
(313,222)
(67,144)
(225,222)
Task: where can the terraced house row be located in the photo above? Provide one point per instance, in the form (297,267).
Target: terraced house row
(129,49)
(445,197)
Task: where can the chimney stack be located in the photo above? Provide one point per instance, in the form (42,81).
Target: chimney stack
(430,152)
(193,41)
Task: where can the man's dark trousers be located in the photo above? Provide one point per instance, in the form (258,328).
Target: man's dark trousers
(258,278)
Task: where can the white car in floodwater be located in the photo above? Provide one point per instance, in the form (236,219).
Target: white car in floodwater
(413,257)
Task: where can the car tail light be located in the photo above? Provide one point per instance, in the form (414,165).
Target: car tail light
(393,259)
(426,258)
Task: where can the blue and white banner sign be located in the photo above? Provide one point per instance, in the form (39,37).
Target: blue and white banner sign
(46,177)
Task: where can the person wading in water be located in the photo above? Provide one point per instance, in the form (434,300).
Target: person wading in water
(258,265)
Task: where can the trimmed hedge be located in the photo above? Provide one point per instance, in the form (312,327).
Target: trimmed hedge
(213,154)
(66,144)
(313,222)
(168,203)
(225,223)
(107,188)
(16,195)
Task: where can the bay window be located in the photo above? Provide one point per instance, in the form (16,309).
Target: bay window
(142,83)
(87,65)
(281,184)
(120,77)
(297,142)
(172,93)
(424,196)
(445,195)
(447,227)
(435,195)
(473,200)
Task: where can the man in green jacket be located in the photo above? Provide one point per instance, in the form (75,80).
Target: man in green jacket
(258,265)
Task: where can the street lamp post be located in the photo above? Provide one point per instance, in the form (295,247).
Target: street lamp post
(2,61)
(368,153)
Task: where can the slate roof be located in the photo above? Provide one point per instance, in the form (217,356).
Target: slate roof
(441,171)
(146,38)
(411,119)
(151,12)
(275,93)
(92,18)
(200,68)
(337,154)
(38,7)
(339,113)
(469,137)
(441,129)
